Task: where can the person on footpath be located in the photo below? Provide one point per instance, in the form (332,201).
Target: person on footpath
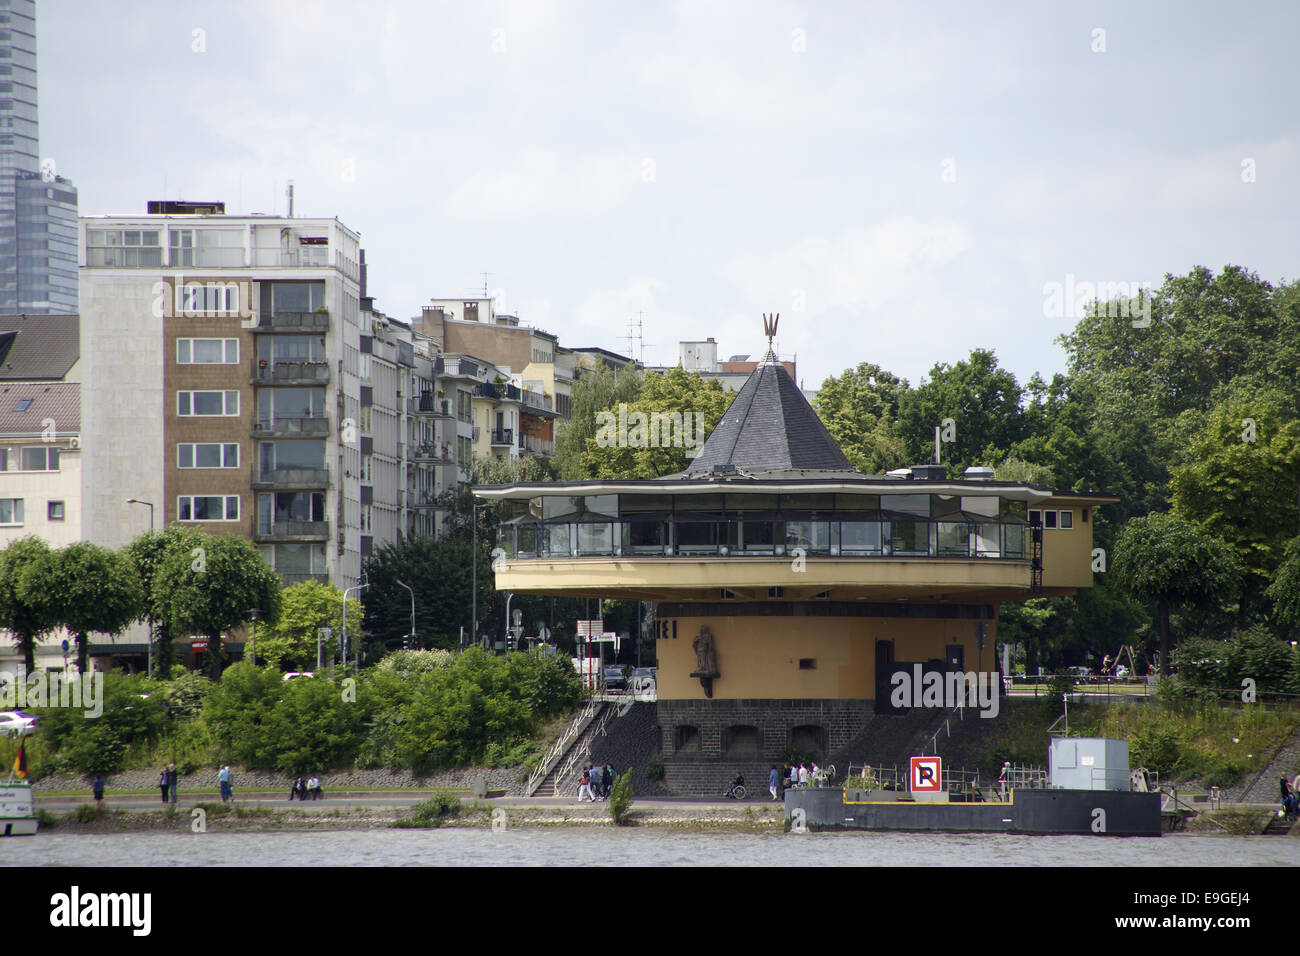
(173,780)
(299,789)
(803,775)
(313,787)
(97,789)
(772,781)
(585,786)
(164,783)
(223,779)
(606,781)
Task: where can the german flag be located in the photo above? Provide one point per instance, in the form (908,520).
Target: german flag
(20,762)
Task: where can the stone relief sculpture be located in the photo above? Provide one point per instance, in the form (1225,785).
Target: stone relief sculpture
(706,660)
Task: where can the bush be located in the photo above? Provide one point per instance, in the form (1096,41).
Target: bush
(417,662)
(433,812)
(1157,750)
(1058,685)
(654,770)
(620,799)
(87,813)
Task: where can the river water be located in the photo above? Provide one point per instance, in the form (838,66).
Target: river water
(634,847)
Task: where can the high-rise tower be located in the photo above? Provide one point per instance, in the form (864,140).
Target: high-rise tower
(38,208)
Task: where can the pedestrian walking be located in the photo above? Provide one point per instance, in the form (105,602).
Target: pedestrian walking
(772,781)
(223,779)
(584,786)
(97,788)
(606,781)
(164,783)
(173,780)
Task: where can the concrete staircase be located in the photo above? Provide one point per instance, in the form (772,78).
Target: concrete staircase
(562,778)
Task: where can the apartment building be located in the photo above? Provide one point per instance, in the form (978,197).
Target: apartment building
(221,379)
(701,355)
(40,429)
(528,361)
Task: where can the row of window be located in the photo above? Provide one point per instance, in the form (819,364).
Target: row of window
(36,458)
(1058,519)
(656,537)
(207,351)
(12,511)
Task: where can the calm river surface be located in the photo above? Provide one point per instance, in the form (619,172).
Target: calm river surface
(527,847)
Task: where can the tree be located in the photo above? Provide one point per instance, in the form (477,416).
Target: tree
(1242,480)
(440,572)
(650,453)
(1284,592)
(148,552)
(212,588)
(598,389)
(304,609)
(859,409)
(982,399)
(90,589)
(25,611)
(1169,561)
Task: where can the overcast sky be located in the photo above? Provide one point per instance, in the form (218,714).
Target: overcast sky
(898,181)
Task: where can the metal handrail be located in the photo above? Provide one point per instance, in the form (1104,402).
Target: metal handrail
(561,745)
(577,754)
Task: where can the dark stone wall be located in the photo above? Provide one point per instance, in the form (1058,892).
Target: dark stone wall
(707,769)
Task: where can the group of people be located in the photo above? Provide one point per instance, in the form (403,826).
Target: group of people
(793,776)
(595,783)
(1291,797)
(168,781)
(309,789)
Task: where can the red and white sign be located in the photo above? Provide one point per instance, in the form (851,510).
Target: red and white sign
(926,774)
(198,645)
(590,628)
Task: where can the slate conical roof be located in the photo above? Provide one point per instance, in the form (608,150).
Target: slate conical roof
(769,430)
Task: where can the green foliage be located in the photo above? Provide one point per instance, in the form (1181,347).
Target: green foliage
(210,589)
(1058,685)
(1208,669)
(433,812)
(304,609)
(597,389)
(859,409)
(1284,592)
(440,571)
(620,799)
(238,713)
(25,607)
(654,769)
(87,813)
(1156,749)
(134,714)
(674,393)
(185,693)
(89,588)
(417,662)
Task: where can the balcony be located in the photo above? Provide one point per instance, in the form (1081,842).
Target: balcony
(503,436)
(536,401)
(300,257)
(432,454)
(424,501)
(429,406)
(291,531)
(291,428)
(266,372)
(297,322)
(537,446)
(291,578)
(287,479)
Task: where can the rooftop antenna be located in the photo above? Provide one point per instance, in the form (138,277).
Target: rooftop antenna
(636,332)
(289,193)
(485,285)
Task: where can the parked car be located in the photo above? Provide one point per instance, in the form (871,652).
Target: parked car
(14,723)
(615,679)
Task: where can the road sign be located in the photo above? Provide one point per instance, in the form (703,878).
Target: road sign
(198,645)
(926,774)
(590,628)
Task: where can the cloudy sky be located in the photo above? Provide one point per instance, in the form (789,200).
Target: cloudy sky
(899,181)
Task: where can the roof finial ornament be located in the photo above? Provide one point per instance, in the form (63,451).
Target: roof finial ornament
(769,329)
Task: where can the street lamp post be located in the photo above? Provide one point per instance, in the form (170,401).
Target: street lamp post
(148,504)
(474,637)
(346,646)
(408,587)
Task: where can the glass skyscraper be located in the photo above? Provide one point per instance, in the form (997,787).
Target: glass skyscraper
(38,209)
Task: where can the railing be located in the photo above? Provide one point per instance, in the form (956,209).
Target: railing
(317,321)
(306,257)
(292,426)
(288,530)
(560,747)
(431,452)
(459,367)
(538,446)
(577,753)
(285,477)
(503,436)
(428,405)
(536,400)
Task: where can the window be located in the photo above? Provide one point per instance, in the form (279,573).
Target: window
(123,248)
(23,404)
(207,508)
(182,247)
(807,663)
(212,297)
(54,511)
(11,511)
(293,296)
(1049,519)
(207,455)
(40,458)
(207,351)
(1066,520)
(207,403)
(298,558)
(1035,517)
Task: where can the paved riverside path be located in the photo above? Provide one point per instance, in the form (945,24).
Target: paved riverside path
(389,799)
